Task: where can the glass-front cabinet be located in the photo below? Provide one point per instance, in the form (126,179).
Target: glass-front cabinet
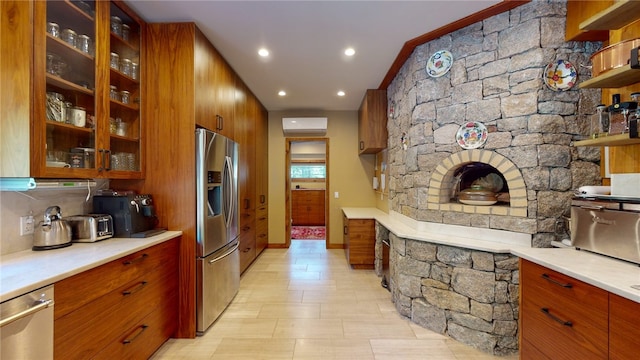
(86,118)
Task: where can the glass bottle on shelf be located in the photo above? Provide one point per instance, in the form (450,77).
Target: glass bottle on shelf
(600,122)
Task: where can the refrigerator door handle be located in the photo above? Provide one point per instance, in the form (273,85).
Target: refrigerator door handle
(228,163)
(234,248)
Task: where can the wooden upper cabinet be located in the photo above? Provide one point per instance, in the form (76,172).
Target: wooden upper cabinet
(215,85)
(16,40)
(204,58)
(579,11)
(262,154)
(372,122)
(86,120)
(225,97)
(245,136)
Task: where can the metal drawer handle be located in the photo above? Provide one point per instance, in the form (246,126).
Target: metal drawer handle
(564,285)
(135,288)
(555,318)
(138,259)
(130,340)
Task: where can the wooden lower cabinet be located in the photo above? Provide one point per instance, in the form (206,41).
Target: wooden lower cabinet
(561,317)
(247,238)
(359,242)
(624,328)
(262,228)
(247,249)
(125,309)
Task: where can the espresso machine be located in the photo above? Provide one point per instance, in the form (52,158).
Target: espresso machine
(133,214)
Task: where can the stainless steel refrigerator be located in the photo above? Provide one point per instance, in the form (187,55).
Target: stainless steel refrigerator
(217,255)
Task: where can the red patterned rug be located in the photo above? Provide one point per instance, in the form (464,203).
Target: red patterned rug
(308,232)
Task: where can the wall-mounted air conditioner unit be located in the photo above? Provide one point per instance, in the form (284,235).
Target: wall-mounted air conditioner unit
(304,126)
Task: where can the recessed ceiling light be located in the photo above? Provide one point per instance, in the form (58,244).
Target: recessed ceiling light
(341,93)
(282,93)
(263,52)
(350,51)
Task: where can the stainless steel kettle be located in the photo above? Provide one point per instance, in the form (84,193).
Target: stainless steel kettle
(52,232)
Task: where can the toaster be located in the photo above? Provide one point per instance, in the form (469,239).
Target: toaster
(91,227)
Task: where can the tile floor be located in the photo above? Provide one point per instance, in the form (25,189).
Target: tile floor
(306,303)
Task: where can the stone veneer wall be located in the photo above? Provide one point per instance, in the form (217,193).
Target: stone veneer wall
(496,79)
(469,295)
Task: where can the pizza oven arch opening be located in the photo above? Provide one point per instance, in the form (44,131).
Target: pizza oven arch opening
(462,169)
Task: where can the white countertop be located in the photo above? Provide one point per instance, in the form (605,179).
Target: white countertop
(615,276)
(489,240)
(28,270)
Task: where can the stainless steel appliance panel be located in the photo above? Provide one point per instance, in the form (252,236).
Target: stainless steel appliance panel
(609,232)
(217,256)
(26,326)
(218,280)
(217,195)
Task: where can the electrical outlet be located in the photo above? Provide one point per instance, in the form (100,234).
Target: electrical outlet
(26,225)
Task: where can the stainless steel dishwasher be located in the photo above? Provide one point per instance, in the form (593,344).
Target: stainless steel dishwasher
(26,326)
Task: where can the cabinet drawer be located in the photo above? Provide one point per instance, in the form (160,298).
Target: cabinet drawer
(247,249)
(83,332)
(562,317)
(247,221)
(144,337)
(78,290)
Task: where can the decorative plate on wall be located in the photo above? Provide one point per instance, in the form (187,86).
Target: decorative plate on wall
(560,75)
(471,135)
(439,63)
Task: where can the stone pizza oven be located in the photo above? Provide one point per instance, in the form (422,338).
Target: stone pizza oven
(471,293)
(496,80)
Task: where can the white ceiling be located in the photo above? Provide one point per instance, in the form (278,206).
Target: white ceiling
(307,39)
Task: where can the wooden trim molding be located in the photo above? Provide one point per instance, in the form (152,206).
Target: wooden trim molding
(409,46)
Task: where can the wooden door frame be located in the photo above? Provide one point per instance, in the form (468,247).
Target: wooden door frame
(287,184)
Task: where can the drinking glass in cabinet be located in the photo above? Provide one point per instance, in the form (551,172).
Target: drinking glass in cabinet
(125,67)
(125,96)
(113,93)
(121,127)
(84,44)
(115,61)
(134,71)
(69,36)
(55,65)
(116,25)
(53,29)
(125,32)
